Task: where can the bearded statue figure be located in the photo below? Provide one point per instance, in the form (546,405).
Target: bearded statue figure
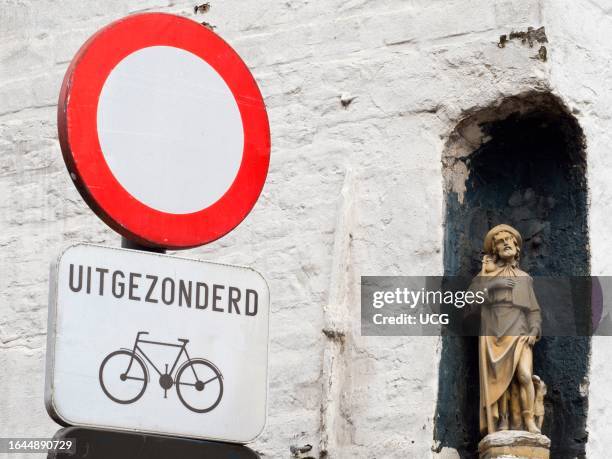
(511,396)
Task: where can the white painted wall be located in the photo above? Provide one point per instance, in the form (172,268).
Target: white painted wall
(581,74)
(351,191)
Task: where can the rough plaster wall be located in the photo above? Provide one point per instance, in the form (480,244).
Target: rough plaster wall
(581,73)
(414,67)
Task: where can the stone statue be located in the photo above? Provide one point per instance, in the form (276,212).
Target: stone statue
(511,396)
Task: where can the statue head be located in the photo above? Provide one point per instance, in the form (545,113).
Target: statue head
(503,242)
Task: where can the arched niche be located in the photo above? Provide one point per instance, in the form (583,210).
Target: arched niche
(520,162)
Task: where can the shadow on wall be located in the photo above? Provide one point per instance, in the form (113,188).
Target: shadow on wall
(522,163)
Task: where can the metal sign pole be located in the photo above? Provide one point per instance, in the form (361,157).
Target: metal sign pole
(129,244)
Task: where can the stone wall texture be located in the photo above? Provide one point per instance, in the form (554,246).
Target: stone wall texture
(352,190)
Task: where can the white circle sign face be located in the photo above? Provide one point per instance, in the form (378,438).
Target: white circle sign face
(164,131)
(168,124)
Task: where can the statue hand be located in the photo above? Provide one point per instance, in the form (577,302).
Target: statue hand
(504,282)
(531,340)
(487,259)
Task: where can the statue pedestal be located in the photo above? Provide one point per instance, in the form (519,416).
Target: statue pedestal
(514,444)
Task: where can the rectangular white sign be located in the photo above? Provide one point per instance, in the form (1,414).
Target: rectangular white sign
(151,343)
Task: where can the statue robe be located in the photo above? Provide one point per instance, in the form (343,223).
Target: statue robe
(508,317)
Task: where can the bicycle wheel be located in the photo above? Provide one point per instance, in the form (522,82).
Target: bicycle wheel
(199,385)
(121,382)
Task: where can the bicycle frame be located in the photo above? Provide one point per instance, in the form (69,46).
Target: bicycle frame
(182,347)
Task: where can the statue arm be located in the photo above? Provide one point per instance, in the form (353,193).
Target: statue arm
(534,316)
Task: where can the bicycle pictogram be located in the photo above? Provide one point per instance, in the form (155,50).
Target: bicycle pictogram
(124,375)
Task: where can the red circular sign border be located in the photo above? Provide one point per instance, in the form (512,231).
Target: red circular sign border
(77,126)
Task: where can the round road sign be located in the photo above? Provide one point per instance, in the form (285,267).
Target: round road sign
(164,131)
